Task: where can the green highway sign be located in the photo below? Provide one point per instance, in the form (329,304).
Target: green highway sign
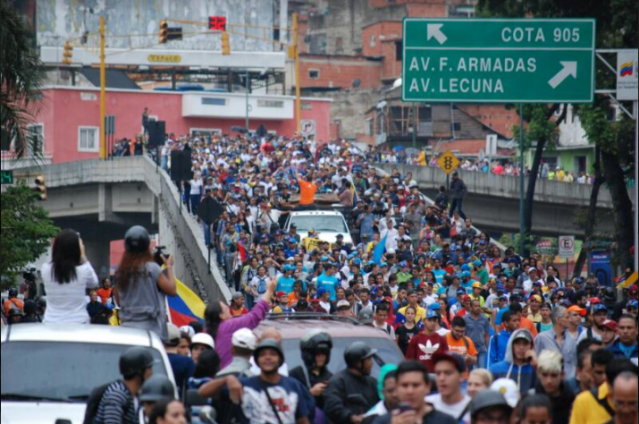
(6,177)
(499,60)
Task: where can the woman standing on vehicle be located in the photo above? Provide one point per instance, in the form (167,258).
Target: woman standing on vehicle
(66,279)
(142,286)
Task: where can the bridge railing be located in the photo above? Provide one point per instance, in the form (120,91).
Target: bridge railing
(507,186)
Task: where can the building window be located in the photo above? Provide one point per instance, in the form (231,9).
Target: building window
(399,50)
(270,103)
(372,41)
(457,126)
(307,106)
(89,139)
(313,73)
(213,101)
(205,132)
(35,135)
(370,124)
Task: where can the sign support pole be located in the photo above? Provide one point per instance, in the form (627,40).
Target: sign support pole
(636,113)
(103,147)
(522,172)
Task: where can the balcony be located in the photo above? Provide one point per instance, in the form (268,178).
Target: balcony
(233,105)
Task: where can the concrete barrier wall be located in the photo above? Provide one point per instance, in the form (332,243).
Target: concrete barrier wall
(181,233)
(508,187)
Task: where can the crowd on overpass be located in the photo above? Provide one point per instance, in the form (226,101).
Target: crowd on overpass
(502,337)
(502,166)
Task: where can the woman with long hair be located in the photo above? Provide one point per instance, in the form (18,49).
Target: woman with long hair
(141,285)
(66,279)
(407,330)
(221,325)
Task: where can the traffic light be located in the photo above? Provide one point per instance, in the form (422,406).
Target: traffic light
(164,31)
(67,56)
(40,187)
(226,44)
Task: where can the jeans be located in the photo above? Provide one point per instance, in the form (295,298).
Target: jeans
(195,202)
(481,360)
(457,204)
(164,164)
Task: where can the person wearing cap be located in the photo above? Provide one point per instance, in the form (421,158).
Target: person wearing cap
(344,309)
(633,308)
(244,343)
(450,369)
(426,344)
(476,293)
(286,282)
(576,318)
(413,387)
(560,340)
(182,366)
(518,365)
(626,345)
(534,307)
(622,307)
(595,331)
(267,398)
(237,307)
(609,333)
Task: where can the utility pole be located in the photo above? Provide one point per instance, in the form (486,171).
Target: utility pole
(636,113)
(414,125)
(248,106)
(522,172)
(103,152)
(298,82)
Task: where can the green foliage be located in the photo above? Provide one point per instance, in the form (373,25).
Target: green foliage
(21,76)
(26,229)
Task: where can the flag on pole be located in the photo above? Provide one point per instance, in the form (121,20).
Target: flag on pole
(242,250)
(354,197)
(186,307)
(379,251)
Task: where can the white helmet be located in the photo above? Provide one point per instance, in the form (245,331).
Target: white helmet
(187,329)
(203,339)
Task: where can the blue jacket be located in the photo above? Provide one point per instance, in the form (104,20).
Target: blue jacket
(614,348)
(498,347)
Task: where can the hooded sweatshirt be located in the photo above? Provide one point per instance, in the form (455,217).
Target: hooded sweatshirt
(525,376)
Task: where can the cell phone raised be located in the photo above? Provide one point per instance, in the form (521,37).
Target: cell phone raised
(405,407)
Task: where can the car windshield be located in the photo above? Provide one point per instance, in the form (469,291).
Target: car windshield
(320,223)
(387,351)
(65,371)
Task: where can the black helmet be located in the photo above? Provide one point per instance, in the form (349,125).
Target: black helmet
(156,389)
(137,240)
(314,343)
(610,294)
(358,352)
(42,302)
(15,312)
(269,344)
(488,399)
(13,293)
(134,361)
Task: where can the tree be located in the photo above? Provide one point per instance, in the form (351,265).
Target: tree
(26,229)
(21,76)
(616,28)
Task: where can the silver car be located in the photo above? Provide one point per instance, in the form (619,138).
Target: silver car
(49,371)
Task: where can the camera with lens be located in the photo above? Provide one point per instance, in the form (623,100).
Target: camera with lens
(159,254)
(29,275)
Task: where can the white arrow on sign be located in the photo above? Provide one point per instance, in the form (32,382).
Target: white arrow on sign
(435,31)
(570,69)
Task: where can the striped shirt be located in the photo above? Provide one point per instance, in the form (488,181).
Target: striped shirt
(117,406)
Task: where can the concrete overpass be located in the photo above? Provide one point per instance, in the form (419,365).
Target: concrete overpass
(102,199)
(493,201)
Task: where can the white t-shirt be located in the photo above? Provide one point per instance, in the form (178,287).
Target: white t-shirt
(67,303)
(453,410)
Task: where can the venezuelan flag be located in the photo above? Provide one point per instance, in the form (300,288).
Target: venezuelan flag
(627,69)
(354,197)
(186,307)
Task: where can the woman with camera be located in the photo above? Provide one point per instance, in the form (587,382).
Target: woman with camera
(141,285)
(66,279)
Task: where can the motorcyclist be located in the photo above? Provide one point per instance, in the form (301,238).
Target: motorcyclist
(154,390)
(352,392)
(316,349)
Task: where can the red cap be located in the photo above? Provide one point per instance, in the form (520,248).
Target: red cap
(281,294)
(466,299)
(611,325)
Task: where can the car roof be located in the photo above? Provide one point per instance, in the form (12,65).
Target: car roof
(297,329)
(98,334)
(317,213)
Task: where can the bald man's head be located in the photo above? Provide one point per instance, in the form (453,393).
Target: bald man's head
(271,333)
(624,394)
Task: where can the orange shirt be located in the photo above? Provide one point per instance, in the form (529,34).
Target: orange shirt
(461,347)
(307,192)
(104,295)
(293,298)
(13,303)
(525,324)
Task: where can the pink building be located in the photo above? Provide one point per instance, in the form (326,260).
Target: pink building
(69,117)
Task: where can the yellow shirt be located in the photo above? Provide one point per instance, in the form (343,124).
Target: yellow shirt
(420,316)
(536,318)
(587,409)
